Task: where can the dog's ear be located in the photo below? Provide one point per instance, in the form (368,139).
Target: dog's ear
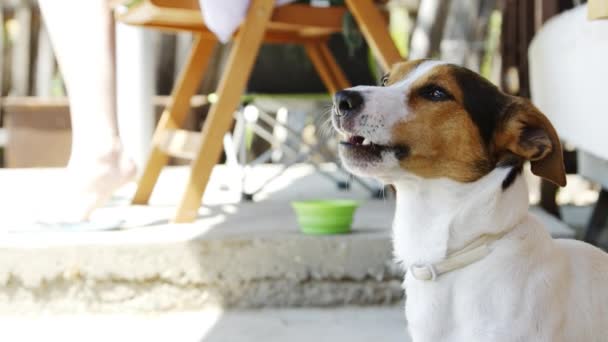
(527,133)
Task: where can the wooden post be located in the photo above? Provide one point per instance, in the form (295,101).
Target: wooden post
(375,29)
(428,31)
(1,55)
(45,65)
(598,219)
(2,130)
(234,80)
(328,69)
(20,69)
(459,32)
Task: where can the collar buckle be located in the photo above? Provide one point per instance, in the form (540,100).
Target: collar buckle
(426,272)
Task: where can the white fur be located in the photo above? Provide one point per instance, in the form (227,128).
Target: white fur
(529,288)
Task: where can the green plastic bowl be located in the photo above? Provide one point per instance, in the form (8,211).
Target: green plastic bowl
(325,216)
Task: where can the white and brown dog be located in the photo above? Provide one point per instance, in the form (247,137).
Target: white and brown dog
(479,267)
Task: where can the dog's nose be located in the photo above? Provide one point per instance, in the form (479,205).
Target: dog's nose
(347,102)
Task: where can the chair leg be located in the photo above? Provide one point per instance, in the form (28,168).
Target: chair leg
(598,220)
(328,69)
(175,114)
(233,82)
(333,65)
(375,30)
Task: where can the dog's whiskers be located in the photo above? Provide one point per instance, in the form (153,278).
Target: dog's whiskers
(326,129)
(323,123)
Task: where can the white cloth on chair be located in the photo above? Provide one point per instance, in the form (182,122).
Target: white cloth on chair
(568,76)
(223,17)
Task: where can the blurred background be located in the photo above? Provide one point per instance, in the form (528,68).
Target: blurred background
(241,267)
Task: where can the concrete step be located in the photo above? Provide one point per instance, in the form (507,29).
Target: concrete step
(352,324)
(235,255)
(246,255)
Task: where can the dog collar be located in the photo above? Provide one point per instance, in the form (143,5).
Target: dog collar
(471,253)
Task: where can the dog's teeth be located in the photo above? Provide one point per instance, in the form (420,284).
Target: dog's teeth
(366,142)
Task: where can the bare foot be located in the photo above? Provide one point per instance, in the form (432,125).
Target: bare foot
(90,183)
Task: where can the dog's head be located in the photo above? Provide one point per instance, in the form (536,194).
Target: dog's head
(433,120)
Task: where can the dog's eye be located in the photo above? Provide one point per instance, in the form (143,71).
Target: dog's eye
(384,80)
(435,93)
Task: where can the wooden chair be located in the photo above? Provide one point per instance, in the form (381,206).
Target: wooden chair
(295,23)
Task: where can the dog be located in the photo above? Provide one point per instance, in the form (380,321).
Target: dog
(478,266)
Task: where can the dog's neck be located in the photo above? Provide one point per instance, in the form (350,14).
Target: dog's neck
(435,217)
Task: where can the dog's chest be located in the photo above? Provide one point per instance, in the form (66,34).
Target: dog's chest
(459,308)
(430,311)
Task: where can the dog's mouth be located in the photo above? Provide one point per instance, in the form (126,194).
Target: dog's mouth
(362,147)
(357,140)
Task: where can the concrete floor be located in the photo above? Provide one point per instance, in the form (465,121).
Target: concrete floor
(353,324)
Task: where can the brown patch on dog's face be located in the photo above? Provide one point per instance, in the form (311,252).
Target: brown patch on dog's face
(442,137)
